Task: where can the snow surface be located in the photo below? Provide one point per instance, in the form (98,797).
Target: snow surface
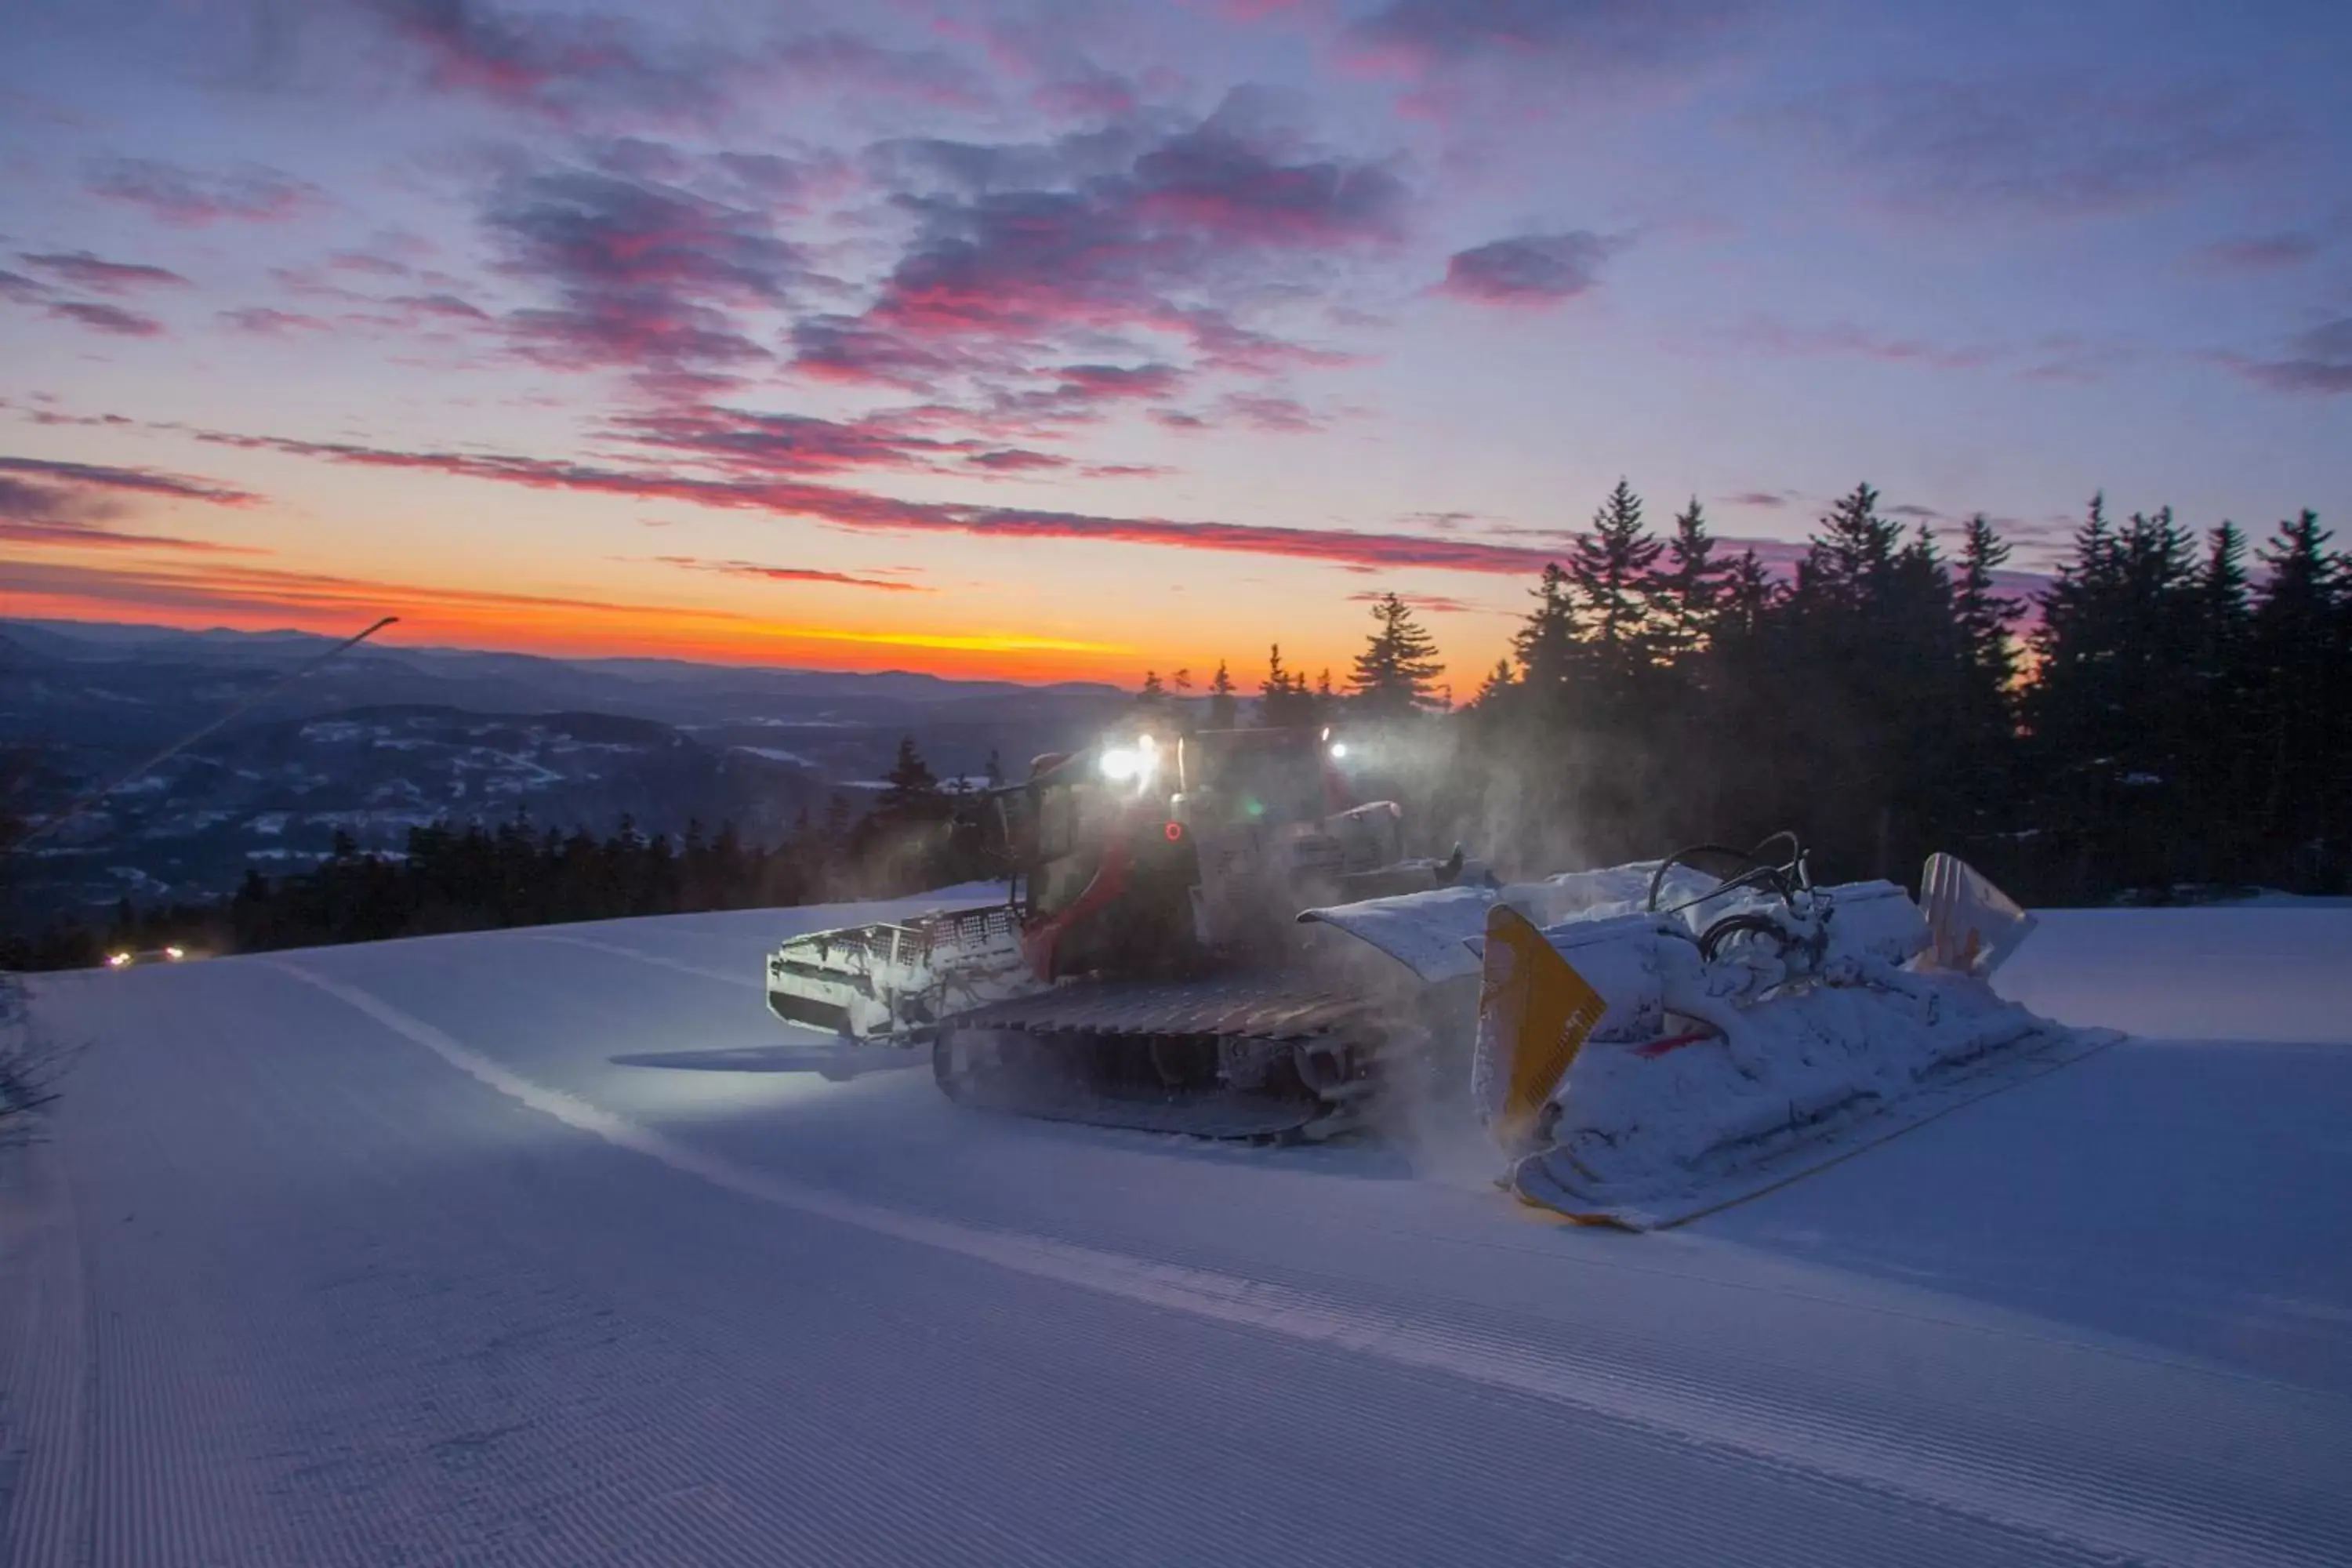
(551,1246)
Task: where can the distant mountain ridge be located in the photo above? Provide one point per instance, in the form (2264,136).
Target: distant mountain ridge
(386,738)
(103,640)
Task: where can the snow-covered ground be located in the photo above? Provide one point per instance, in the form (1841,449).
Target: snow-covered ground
(549,1247)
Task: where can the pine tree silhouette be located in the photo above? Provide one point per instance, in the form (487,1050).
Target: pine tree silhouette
(1397,672)
(1224,711)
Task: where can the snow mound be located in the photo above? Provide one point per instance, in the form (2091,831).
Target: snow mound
(1733,1037)
(1648,1136)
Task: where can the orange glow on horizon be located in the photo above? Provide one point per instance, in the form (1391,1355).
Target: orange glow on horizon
(199,596)
(557,628)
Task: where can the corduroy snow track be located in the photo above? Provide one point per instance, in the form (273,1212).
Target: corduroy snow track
(458,1251)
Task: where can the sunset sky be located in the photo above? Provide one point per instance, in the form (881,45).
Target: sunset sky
(1070,339)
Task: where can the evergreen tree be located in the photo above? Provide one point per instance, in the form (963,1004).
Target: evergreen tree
(1985,724)
(1748,594)
(1397,672)
(1688,591)
(2223,608)
(1611,567)
(1283,702)
(1985,615)
(1851,552)
(1152,695)
(2221,767)
(1546,641)
(913,793)
(2300,644)
(1224,711)
(2111,734)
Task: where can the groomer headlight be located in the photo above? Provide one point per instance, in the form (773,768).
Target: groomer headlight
(1338,751)
(1135,763)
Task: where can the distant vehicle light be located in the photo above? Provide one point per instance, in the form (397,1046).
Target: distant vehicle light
(175,953)
(117,960)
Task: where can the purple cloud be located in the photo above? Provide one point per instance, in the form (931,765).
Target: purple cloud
(739,441)
(189,199)
(24,290)
(1275,416)
(1757,498)
(863,511)
(744,444)
(1435,604)
(1535,270)
(644,275)
(587,67)
(791,574)
(25,504)
(2041,146)
(264,322)
(1598,34)
(74,506)
(83,270)
(368,263)
(1015,460)
(111,319)
(1843,339)
(421,309)
(2259,252)
(1125,235)
(552,63)
(867,69)
(2318,360)
(1217,181)
(142,482)
(1118,383)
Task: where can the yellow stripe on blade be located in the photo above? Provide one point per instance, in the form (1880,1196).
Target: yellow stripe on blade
(1534,1007)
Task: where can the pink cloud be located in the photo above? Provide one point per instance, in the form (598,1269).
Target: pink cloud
(83,270)
(1527,270)
(790,574)
(864,510)
(111,319)
(188,198)
(264,322)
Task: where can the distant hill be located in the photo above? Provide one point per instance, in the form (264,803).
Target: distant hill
(385,737)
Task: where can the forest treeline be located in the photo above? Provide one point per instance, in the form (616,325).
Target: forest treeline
(451,877)
(2172,709)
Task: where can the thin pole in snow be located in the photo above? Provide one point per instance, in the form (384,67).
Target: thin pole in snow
(85,801)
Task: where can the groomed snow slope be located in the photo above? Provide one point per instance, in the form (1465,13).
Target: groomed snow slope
(548,1247)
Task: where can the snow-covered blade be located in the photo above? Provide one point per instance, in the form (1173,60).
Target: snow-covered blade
(882,979)
(1440,936)
(1644,1056)
(1728,1064)
(1973,925)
